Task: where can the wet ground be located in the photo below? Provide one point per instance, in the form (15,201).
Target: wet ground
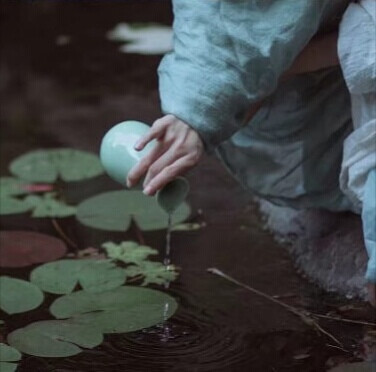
(69,95)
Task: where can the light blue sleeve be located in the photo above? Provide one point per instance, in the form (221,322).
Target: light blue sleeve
(228,54)
(369,224)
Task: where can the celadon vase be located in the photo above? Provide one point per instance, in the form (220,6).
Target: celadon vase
(118,157)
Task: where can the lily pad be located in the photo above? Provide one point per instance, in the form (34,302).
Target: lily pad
(50,165)
(10,205)
(8,355)
(24,248)
(61,277)
(12,186)
(54,338)
(18,296)
(124,309)
(128,252)
(48,206)
(114,210)
(157,273)
(153,272)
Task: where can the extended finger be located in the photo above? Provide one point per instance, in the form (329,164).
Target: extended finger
(156,131)
(170,156)
(142,166)
(168,174)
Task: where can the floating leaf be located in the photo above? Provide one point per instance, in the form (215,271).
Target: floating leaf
(124,309)
(12,186)
(9,205)
(62,276)
(54,338)
(48,206)
(49,165)
(8,367)
(157,273)
(355,367)
(128,252)
(18,296)
(114,210)
(143,38)
(24,248)
(7,355)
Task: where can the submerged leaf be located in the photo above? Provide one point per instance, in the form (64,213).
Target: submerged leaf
(23,248)
(114,210)
(49,165)
(18,296)
(7,355)
(124,309)
(62,276)
(54,338)
(128,252)
(48,206)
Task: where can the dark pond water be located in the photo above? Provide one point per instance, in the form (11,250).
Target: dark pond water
(69,95)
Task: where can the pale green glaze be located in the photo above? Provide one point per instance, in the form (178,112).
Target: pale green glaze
(117,152)
(118,157)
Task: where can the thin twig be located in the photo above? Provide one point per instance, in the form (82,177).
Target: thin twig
(339,348)
(303,316)
(361,322)
(63,234)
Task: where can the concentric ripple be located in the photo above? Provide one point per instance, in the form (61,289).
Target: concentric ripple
(190,341)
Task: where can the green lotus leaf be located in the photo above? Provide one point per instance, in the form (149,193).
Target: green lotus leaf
(124,309)
(153,273)
(8,367)
(8,355)
(114,210)
(9,205)
(12,186)
(50,165)
(48,206)
(18,296)
(54,338)
(157,273)
(61,277)
(128,252)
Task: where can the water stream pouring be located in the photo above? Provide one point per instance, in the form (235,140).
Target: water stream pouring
(118,157)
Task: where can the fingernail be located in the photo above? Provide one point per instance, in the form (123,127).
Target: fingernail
(147,190)
(129,185)
(137,145)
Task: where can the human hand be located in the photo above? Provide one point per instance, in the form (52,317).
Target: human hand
(179,148)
